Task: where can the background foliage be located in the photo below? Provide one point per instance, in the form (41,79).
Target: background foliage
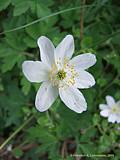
(58,133)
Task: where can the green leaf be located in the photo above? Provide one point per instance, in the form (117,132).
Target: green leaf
(20,7)
(114,59)
(4,4)
(34,31)
(96,119)
(41,134)
(26,85)
(30,42)
(10,61)
(102,81)
(105,143)
(17,152)
(88,149)
(86,42)
(42,10)
(1,87)
(14,42)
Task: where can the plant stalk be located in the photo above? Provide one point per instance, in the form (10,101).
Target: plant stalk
(15,132)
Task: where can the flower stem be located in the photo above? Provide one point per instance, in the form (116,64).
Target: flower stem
(49,118)
(82,19)
(16,132)
(100,129)
(44,18)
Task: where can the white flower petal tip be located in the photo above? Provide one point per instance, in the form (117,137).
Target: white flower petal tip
(110,100)
(73,99)
(84,61)
(104,113)
(110,110)
(45,97)
(46,50)
(43,39)
(112,118)
(35,71)
(68,37)
(64,50)
(70,40)
(84,80)
(92,57)
(103,106)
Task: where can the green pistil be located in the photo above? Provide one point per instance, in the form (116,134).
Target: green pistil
(61,75)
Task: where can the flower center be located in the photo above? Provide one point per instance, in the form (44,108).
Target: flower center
(61,74)
(115,109)
(64,77)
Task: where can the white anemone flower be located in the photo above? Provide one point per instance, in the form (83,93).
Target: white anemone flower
(60,74)
(111,110)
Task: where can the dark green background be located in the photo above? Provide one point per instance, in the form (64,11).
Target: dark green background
(60,132)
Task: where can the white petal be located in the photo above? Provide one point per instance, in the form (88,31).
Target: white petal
(103,106)
(110,101)
(84,80)
(83,61)
(35,71)
(45,97)
(46,50)
(118,118)
(73,99)
(64,50)
(104,113)
(112,118)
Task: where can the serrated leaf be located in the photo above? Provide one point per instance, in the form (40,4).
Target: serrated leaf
(4,4)
(30,42)
(26,85)
(10,61)
(42,10)
(20,7)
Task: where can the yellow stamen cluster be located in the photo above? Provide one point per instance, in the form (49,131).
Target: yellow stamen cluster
(115,109)
(71,79)
(52,76)
(67,74)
